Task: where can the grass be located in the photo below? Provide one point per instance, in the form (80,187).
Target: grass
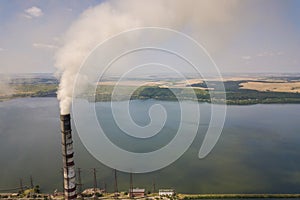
(234,94)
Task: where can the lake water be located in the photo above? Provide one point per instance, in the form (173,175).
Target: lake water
(258,151)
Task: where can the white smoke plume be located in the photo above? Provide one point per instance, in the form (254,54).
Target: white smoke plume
(197,17)
(5,89)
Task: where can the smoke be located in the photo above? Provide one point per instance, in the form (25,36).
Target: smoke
(201,19)
(5,89)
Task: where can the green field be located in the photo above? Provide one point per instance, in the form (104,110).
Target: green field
(235,95)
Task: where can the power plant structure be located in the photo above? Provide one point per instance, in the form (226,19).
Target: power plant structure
(68,160)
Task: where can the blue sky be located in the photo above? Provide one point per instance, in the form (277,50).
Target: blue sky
(262,36)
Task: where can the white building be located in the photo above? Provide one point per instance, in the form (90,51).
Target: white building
(166,192)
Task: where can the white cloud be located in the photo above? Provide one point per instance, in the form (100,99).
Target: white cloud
(56,39)
(270,53)
(246,57)
(44,46)
(266,53)
(33,12)
(1,49)
(279,53)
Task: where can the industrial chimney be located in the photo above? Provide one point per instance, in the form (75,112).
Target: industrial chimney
(68,160)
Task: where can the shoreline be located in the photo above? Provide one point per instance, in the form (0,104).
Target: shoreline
(236,196)
(153,196)
(232,103)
